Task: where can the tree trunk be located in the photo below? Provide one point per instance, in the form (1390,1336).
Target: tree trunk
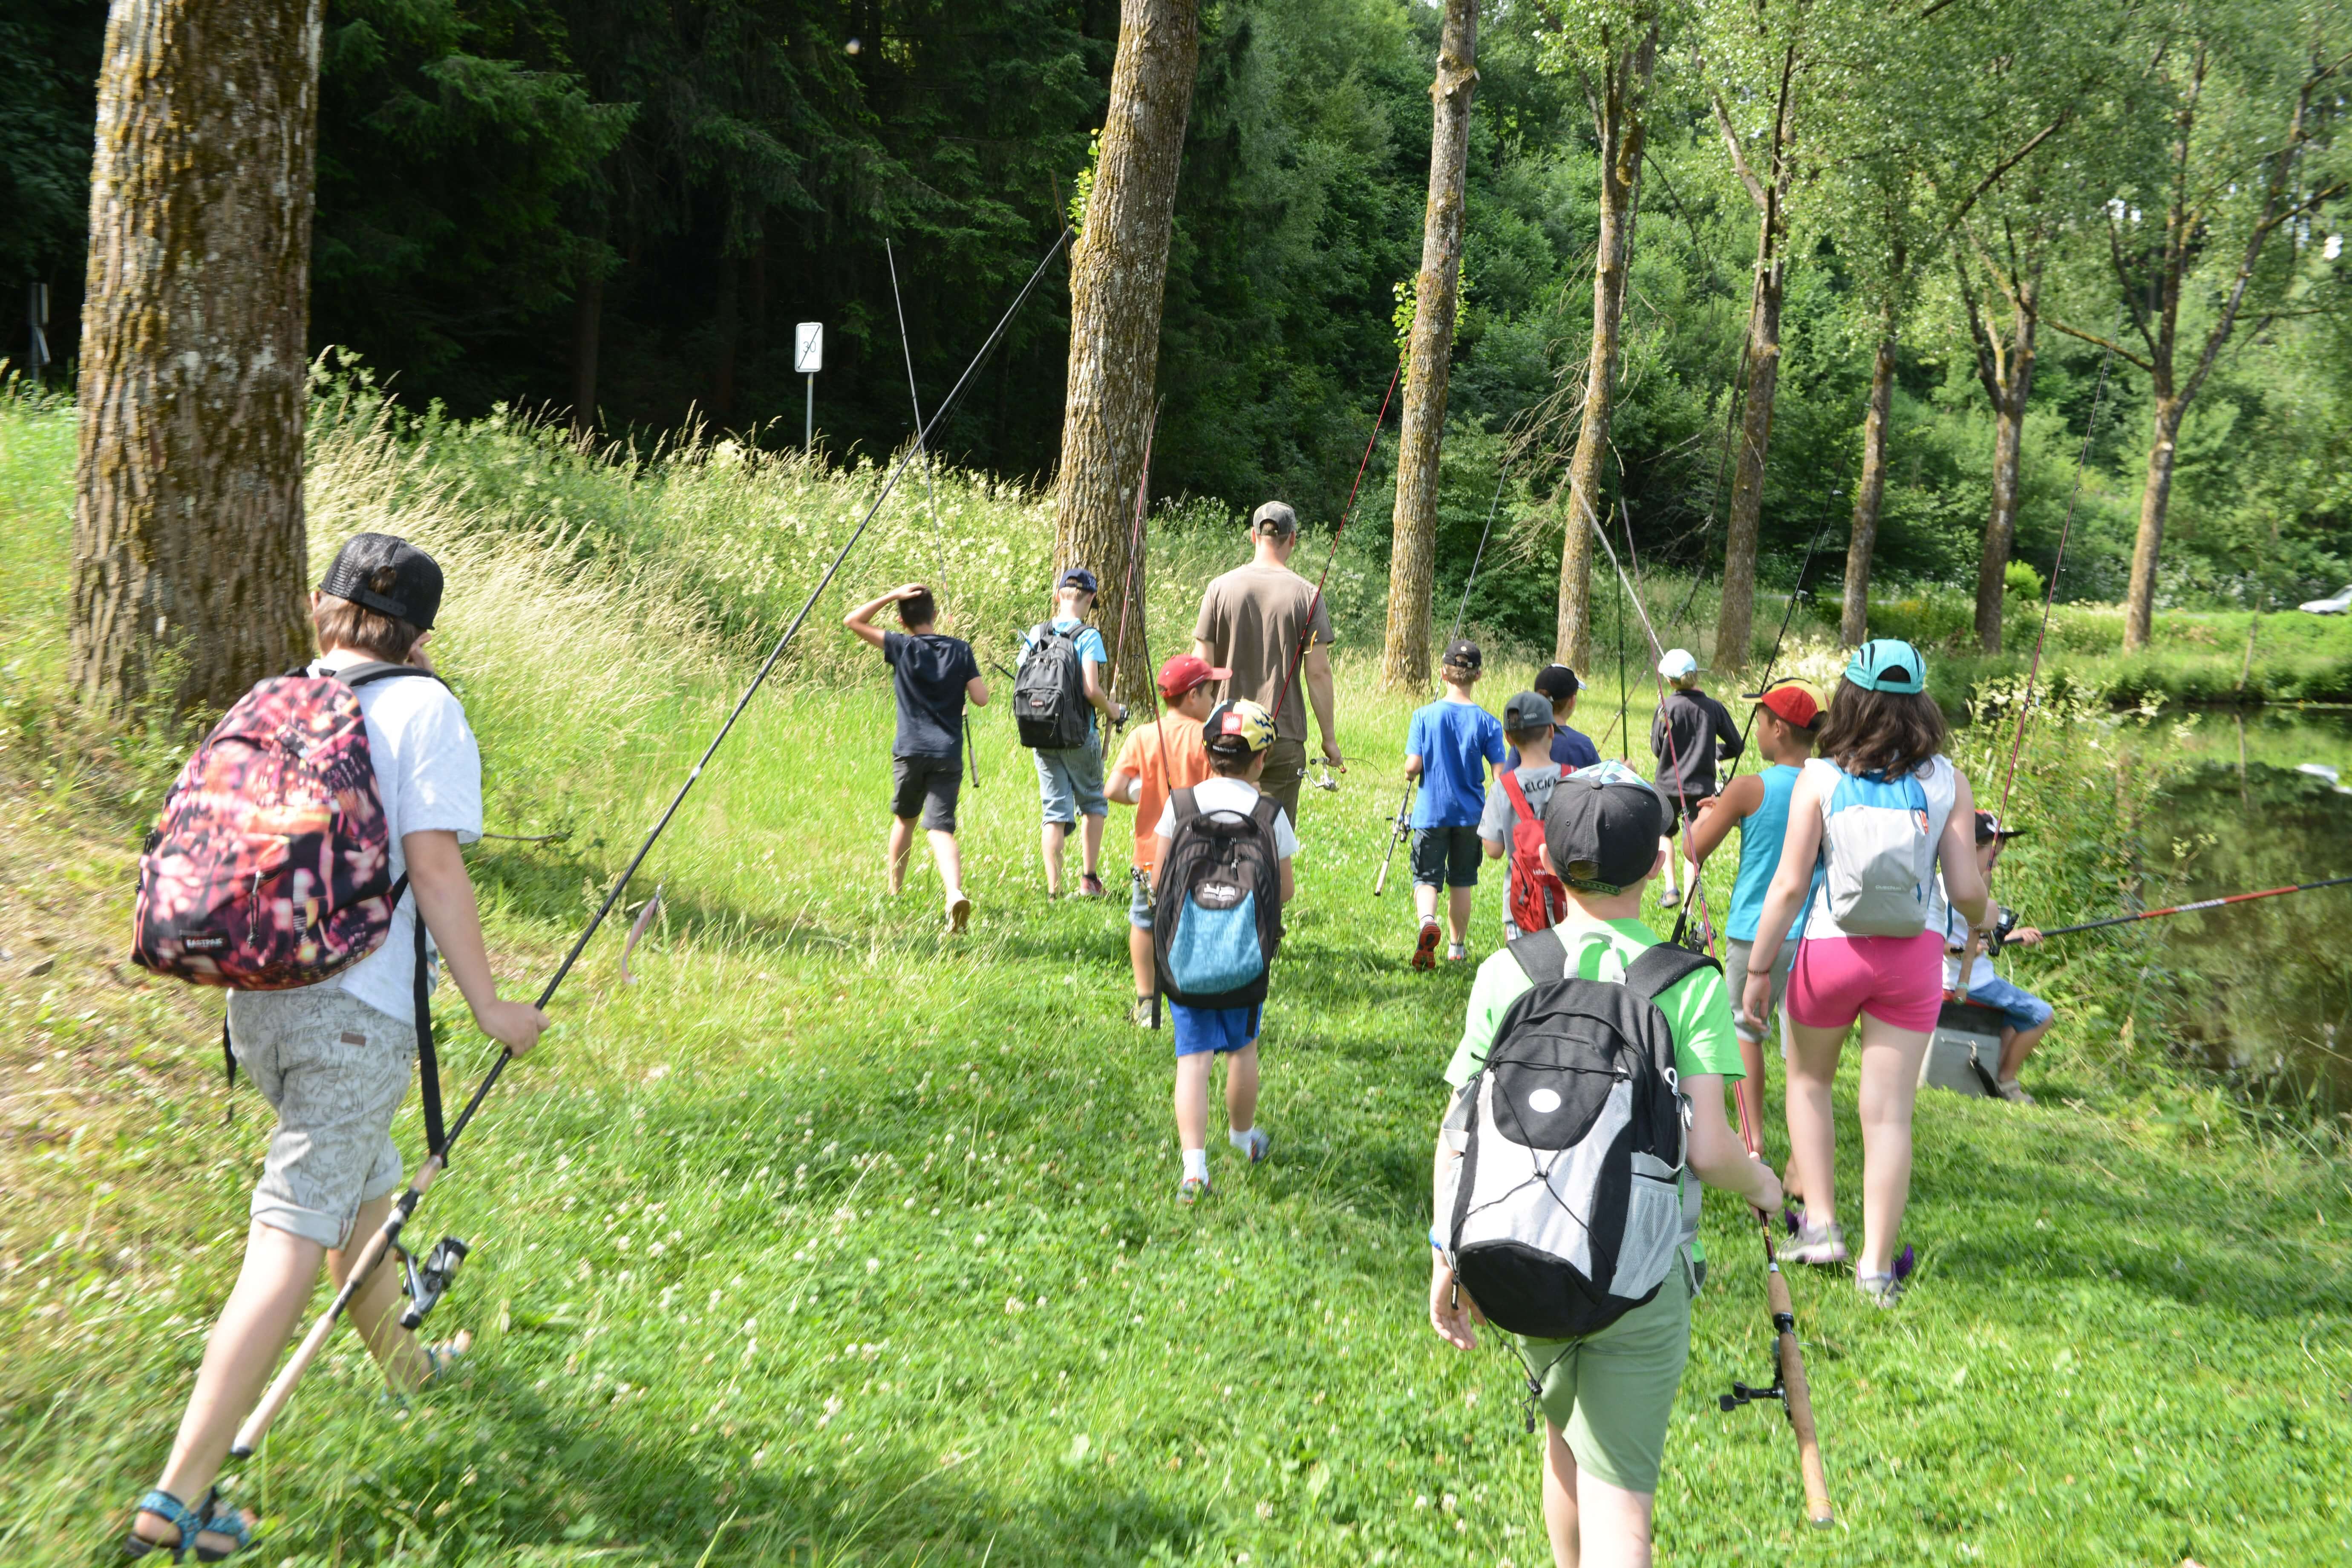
(2008,451)
(189,551)
(2139,600)
(1853,621)
(1736,623)
(1619,123)
(587,337)
(1404,660)
(1117,274)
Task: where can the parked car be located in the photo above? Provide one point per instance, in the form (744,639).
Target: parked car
(2335,606)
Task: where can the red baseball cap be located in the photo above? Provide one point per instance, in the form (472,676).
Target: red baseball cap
(1798,701)
(1188,672)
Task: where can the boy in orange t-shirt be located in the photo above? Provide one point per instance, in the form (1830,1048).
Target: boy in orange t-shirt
(1158,759)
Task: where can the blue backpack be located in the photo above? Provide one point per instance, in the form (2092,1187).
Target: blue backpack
(1878,855)
(1216,905)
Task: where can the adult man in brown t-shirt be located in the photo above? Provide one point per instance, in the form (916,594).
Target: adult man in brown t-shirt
(1253,621)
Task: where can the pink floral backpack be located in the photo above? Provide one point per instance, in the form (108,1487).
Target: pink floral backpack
(271,864)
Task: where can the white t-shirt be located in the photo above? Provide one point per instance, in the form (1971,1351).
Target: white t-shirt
(1236,796)
(1956,937)
(429,774)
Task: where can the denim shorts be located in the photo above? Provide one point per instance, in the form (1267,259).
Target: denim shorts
(1199,1030)
(335,1070)
(2021,1008)
(1139,901)
(1070,783)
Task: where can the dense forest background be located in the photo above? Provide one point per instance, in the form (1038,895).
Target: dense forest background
(511,189)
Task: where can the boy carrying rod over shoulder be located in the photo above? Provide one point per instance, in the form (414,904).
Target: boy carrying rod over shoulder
(1158,760)
(933,675)
(1562,1104)
(1787,714)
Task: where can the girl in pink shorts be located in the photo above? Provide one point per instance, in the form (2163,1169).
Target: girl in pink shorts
(1869,821)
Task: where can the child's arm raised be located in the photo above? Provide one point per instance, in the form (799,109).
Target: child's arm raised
(861,619)
(436,870)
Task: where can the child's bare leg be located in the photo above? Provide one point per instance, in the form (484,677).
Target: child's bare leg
(1240,1090)
(1051,840)
(2016,1045)
(1139,955)
(1192,1100)
(1559,1498)
(1090,837)
(902,840)
(1664,848)
(948,856)
(1457,913)
(1890,1083)
(1813,1133)
(1614,1524)
(1424,898)
(374,1310)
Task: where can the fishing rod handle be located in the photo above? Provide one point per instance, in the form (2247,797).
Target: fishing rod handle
(1801,1402)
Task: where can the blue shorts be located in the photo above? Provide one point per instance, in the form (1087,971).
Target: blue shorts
(1070,783)
(2021,1008)
(1218,1029)
(1139,901)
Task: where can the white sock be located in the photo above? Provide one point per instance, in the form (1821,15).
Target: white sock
(1196,1164)
(1238,1137)
(1457,950)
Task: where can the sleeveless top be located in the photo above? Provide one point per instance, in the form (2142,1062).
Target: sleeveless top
(1939,781)
(1760,851)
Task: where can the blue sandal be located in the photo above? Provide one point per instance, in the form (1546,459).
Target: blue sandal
(184,1519)
(230,1522)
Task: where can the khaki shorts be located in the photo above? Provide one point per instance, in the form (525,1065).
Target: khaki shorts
(1286,770)
(1735,975)
(335,1070)
(1612,1394)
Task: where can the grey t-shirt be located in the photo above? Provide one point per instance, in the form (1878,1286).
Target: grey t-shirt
(1536,779)
(1253,620)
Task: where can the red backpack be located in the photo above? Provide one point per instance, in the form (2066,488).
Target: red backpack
(1536,899)
(271,864)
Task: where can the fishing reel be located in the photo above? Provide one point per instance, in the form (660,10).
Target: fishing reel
(1782,1324)
(426,1283)
(2001,927)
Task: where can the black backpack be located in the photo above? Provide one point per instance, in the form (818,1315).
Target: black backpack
(1216,905)
(1566,1208)
(1049,692)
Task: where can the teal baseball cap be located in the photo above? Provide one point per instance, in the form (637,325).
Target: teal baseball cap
(1887,664)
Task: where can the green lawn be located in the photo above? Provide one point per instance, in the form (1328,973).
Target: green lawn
(832,1240)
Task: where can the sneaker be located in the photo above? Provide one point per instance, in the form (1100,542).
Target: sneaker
(1879,1289)
(1818,1244)
(1425,953)
(1090,885)
(1257,1143)
(1141,1012)
(2013,1092)
(1458,951)
(1192,1190)
(958,910)
(1669,899)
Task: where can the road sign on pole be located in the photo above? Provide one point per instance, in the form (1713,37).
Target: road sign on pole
(808,358)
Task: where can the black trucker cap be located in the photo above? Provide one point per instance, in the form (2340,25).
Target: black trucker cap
(412,592)
(1602,826)
(1557,680)
(1465,654)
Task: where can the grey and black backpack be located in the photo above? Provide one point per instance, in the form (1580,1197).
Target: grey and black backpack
(1049,692)
(1566,1208)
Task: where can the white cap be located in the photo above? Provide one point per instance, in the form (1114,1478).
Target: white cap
(1678,662)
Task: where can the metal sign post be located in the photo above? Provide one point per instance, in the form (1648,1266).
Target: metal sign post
(808,358)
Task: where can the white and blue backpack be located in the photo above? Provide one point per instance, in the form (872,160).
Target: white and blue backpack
(1876,872)
(1217,916)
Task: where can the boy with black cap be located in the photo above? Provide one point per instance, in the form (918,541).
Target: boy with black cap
(1070,781)
(1607,1397)
(1237,737)
(1969,976)
(333,1059)
(1448,740)
(933,677)
(1527,725)
(1787,712)
(1571,749)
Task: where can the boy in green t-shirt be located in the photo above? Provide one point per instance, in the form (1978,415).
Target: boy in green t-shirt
(1607,1397)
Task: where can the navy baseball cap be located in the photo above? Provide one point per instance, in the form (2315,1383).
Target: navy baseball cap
(1887,664)
(386,574)
(1078,578)
(1557,680)
(1527,711)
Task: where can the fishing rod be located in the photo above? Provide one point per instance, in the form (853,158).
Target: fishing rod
(1306,632)
(2199,904)
(1397,831)
(1789,1388)
(281,1388)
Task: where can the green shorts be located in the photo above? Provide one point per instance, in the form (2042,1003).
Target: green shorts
(1612,1393)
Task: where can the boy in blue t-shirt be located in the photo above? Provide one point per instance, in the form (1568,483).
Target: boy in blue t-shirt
(1448,739)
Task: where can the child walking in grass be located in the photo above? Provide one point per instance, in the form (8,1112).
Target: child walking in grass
(2025,1017)
(1449,740)
(1689,735)
(1158,759)
(1239,834)
(934,676)
(1787,714)
(1571,748)
(1527,725)
(1606,1395)
(333,1058)
(1070,778)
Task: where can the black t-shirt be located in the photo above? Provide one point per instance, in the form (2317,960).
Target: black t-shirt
(930,672)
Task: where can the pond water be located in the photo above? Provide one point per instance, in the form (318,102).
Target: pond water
(2263,800)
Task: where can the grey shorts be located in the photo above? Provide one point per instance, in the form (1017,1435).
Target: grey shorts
(1446,857)
(1138,899)
(929,786)
(1070,783)
(335,1070)
(1735,975)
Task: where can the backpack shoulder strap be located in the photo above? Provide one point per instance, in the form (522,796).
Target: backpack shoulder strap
(1184,805)
(1660,968)
(359,675)
(1263,813)
(1509,779)
(1541,955)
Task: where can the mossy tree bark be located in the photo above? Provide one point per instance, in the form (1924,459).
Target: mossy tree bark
(1118,273)
(1437,302)
(189,556)
(1617,87)
(2004,367)
(1869,494)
